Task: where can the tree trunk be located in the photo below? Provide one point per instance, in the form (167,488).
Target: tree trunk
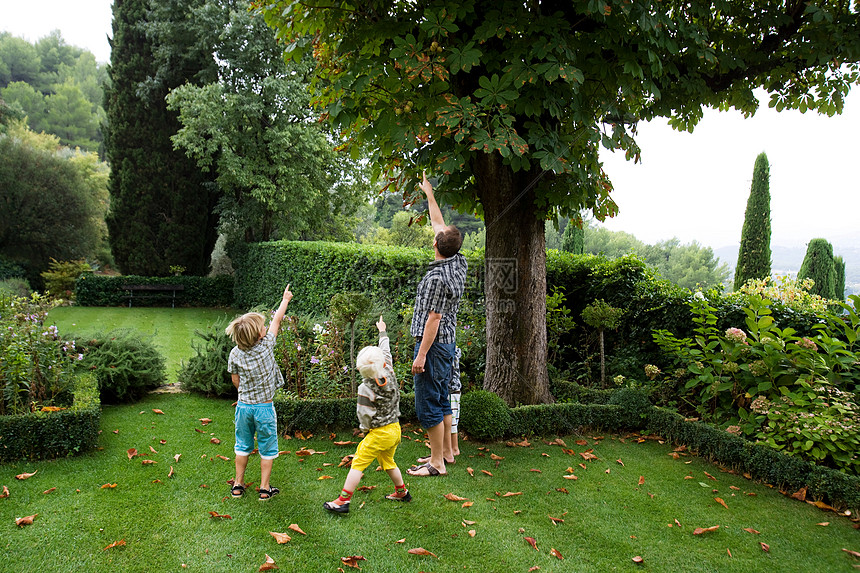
(602,360)
(515,285)
(352,385)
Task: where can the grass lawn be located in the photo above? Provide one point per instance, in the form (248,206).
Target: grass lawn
(173,327)
(608,517)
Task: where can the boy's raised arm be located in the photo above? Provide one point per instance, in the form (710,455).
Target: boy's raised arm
(436,219)
(275,325)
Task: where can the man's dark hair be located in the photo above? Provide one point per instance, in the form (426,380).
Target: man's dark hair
(448,241)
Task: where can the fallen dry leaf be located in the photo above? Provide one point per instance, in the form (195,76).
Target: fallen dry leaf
(537,471)
(145,462)
(468,504)
(638,559)
(5,492)
(823,523)
(115,544)
(818,504)
(216,514)
(280,537)
(641,480)
(562,490)
(555,553)
(468,522)
(701,530)
(495,457)
(765,547)
(108,485)
(678,523)
(25,476)
(470,471)
(721,502)
(401,540)
(607,471)
(215,441)
(205,421)
(347,443)
(710,476)
(531,541)
(583,466)
(151,449)
(225,458)
(620,462)
(131,452)
(421,551)
(512,493)
(571,476)
(352,561)
(157,411)
(324,477)
(268,565)
(534,568)
(454,497)
(49,490)
(296,528)
(587,455)
(486,472)
(751,530)
(472,533)
(852,553)
(729,551)
(555,519)
(800,494)
(170,473)
(22,521)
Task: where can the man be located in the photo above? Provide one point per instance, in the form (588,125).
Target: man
(433,326)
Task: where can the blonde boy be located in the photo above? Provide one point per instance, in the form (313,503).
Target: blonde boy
(378,411)
(256,376)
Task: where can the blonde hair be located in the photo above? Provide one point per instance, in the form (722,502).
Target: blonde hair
(245,330)
(370,362)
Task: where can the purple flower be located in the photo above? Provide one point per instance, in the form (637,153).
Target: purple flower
(315,360)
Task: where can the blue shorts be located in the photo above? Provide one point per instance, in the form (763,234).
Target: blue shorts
(259,418)
(432,403)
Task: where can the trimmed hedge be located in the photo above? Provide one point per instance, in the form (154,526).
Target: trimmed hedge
(758,461)
(48,435)
(326,414)
(100,290)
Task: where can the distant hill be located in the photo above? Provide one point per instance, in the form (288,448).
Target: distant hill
(787,260)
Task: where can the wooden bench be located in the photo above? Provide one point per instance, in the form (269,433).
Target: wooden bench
(153,291)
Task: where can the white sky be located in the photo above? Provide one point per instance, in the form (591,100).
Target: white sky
(690,186)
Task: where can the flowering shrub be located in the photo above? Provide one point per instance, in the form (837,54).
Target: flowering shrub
(736,375)
(37,367)
(817,422)
(791,292)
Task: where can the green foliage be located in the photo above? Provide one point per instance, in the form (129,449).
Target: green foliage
(404,231)
(101,290)
(58,88)
(573,240)
(754,254)
(348,307)
(126,364)
(37,367)
(251,124)
(161,205)
(206,371)
(15,287)
(54,201)
(634,405)
(818,265)
(53,434)
(601,315)
(484,415)
(735,378)
(839,268)
(61,276)
(9,269)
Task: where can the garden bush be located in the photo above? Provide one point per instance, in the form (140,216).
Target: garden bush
(15,287)
(54,432)
(126,364)
(484,415)
(9,269)
(206,371)
(100,290)
(61,276)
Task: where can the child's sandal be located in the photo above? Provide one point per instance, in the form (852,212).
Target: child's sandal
(237,491)
(268,493)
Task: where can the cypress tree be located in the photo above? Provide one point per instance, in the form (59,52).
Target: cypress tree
(839,267)
(818,265)
(754,254)
(161,211)
(573,240)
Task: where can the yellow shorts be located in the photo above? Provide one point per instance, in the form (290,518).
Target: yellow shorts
(379,444)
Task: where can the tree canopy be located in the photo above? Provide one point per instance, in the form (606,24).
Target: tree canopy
(510,102)
(754,253)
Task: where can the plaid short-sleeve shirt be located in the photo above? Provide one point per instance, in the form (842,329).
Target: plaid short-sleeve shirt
(259,375)
(440,291)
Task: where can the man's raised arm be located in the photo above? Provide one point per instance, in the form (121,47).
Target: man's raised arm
(436,220)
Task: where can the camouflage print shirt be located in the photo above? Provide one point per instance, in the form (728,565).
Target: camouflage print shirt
(379,401)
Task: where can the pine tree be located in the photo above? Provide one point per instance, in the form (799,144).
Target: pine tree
(839,267)
(754,254)
(161,204)
(818,265)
